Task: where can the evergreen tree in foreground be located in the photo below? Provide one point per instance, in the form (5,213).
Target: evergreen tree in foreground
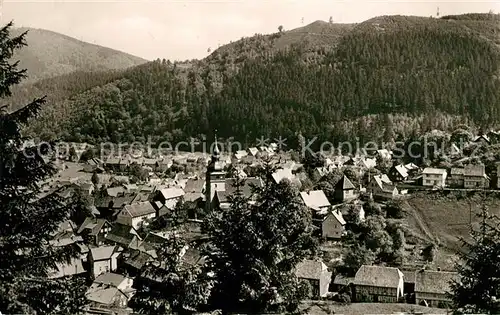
(27,220)
(477,290)
(173,285)
(255,248)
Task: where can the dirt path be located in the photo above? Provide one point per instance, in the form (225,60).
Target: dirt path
(421,223)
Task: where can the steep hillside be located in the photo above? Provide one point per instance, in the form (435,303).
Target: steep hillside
(335,85)
(50,54)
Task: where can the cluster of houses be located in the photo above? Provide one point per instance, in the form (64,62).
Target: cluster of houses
(115,247)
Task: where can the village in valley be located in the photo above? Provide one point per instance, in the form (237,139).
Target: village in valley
(132,202)
(348,166)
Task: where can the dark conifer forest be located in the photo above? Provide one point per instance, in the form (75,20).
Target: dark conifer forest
(337,82)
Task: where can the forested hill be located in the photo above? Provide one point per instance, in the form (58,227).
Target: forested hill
(50,54)
(341,81)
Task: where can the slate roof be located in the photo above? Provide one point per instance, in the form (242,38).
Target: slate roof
(434,281)
(457,171)
(338,216)
(222,196)
(103,296)
(194,186)
(344,184)
(310,269)
(369,163)
(411,166)
(281,174)
(191,197)
(430,170)
(121,234)
(171,193)
(253,151)
(315,199)
(401,169)
(139,209)
(75,267)
(93,225)
(378,276)
(485,137)
(474,170)
(110,278)
(115,191)
(138,259)
(192,257)
(102,252)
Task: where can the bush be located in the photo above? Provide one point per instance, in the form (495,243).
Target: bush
(344,298)
(429,252)
(394,210)
(373,208)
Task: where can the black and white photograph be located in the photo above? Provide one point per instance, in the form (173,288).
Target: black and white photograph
(246,157)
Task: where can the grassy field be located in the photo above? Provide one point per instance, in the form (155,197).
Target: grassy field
(327,307)
(443,218)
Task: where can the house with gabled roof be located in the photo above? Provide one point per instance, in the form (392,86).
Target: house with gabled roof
(482,139)
(64,269)
(320,172)
(345,190)
(332,224)
(381,186)
(102,259)
(316,273)
(432,287)
(284,173)
(135,260)
(475,177)
(434,177)
(165,200)
(253,151)
(398,173)
(378,284)
(315,200)
(122,235)
(194,190)
(110,290)
(94,230)
(135,214)
(115,191)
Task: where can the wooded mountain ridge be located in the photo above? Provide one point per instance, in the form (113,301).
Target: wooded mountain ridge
(333,81)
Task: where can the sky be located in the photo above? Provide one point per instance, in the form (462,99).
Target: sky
(185,29)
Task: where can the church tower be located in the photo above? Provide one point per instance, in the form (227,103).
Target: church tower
(215,177)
